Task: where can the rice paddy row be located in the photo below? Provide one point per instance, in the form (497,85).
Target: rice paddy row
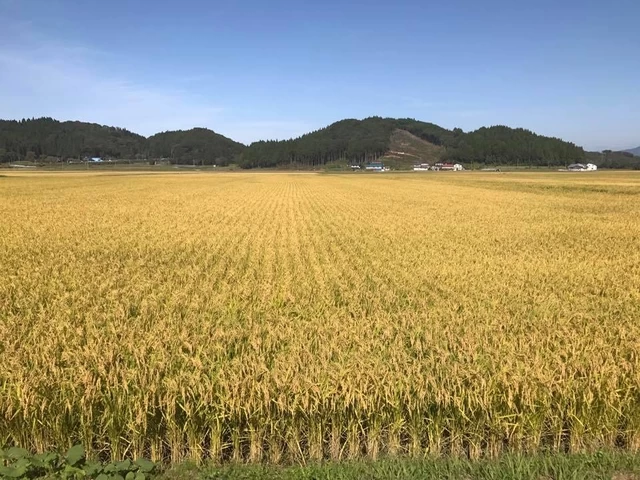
(283,317)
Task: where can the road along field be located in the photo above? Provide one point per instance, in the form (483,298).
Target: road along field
(283,317)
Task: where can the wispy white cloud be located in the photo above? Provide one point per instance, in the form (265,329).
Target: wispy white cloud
(35,86)
(43,77)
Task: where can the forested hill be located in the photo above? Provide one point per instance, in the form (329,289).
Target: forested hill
(365,140)
(509,146)
(48,140)
(196,145)
(38,139)
(611,159)
(354,141)
(398,142)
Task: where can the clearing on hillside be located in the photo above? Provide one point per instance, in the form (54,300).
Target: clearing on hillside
(406,150)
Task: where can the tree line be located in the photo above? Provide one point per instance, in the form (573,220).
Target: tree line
(48,140)
(501,145)
(611,159)
(198,146)
(361,141)
(346,141)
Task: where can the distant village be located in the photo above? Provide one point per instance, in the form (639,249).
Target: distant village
(457,167)
(580,167)
(376,166)
(380,167)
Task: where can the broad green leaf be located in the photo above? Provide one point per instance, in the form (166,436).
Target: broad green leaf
(10,472)
(75,455)
(52,458)
(47,461)
(123,466)
(140,476)
(145,466)
(16,452)
(22,463)
(48,458)
(72,472)
(92,469)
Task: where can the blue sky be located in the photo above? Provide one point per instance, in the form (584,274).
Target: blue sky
(276,69)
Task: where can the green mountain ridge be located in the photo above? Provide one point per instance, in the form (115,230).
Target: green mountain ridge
(397,142)
(199,145)
(370,139)
(611,159)
(49,140)
(634,151)
(45,137)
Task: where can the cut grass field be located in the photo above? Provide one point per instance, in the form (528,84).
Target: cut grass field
(287,318)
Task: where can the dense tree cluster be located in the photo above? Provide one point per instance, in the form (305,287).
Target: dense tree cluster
(511,146)
(349,140)
(365,140)
(198,146)
(38,139)
(346,141)
(610,159)
(46,139)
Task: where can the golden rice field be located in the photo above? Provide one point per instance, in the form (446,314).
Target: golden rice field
(285,317)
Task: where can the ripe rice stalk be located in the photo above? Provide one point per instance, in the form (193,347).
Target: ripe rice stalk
(284,318)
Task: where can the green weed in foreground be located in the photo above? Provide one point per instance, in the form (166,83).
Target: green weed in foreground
(616,465)
(18,463)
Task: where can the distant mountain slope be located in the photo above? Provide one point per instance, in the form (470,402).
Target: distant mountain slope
(610,159)
(44,137)
(634,151)
(350,140)
(400,142)
(406,149)
(198,145)
(372,138)
(511,146)
(347,140)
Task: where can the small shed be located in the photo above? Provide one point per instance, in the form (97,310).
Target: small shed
(577,167)
(455,167)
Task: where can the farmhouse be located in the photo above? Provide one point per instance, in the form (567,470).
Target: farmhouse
(375,166)
(421,167)
(455,167)
(580,167)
